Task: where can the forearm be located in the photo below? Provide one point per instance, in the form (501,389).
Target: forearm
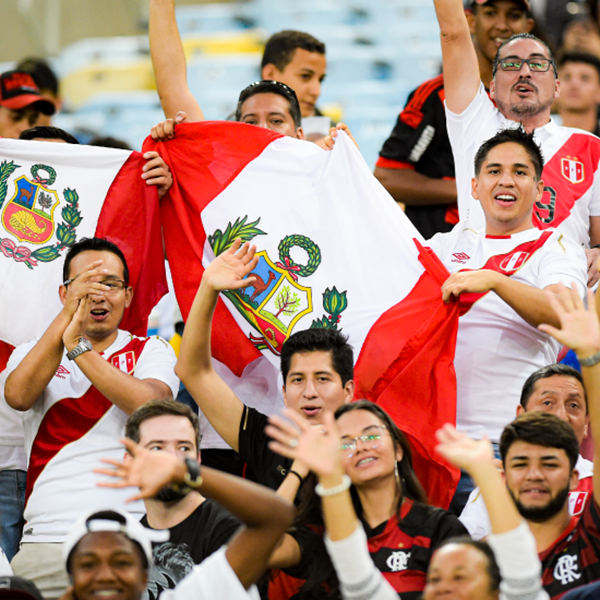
(195,352)
(168,61)
(529,302)
(123,390)
(500,506)
(31,377)
(460,65)
(358,575)
(414,189)
(194,367)
(338,511)
(520,567)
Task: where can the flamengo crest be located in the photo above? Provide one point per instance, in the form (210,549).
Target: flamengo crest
(28,217)
(572,170)
(277,300)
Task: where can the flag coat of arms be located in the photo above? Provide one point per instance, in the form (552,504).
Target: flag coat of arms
(334,251)
(52,195)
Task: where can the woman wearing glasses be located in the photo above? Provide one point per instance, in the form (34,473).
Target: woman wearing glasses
(363,463)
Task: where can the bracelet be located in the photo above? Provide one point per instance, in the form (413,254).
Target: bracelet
(292,472)
(338,489)
(192,480)
(590,361)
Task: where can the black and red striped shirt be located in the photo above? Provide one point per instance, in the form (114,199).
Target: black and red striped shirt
(574,559)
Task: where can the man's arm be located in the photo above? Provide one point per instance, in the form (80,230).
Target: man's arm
(123,390)
(461,68)
(168,61)
(529,302)
(264,514)
(194,367)
(29,379)
(415,189)
(579,329)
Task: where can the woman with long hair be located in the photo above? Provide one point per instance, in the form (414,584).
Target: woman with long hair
(363,463)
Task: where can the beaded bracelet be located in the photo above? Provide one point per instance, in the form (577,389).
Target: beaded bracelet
(338,489)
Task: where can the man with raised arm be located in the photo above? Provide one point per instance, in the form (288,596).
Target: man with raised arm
(524,87)
(415,164)
(76,385)
(316,365)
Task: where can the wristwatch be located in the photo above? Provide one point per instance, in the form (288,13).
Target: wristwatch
(83,346)
(192,479)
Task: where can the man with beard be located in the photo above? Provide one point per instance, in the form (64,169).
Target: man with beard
(198,526)
(539,454)
(524,86)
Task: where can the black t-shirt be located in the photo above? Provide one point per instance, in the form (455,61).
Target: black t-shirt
(419,141)
(268,467)
(207,529)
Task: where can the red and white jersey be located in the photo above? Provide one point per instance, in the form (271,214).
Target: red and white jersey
(477,521)
(71,427)
(571,172)
(496,350)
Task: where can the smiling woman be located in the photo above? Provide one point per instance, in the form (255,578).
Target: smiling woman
(366,458)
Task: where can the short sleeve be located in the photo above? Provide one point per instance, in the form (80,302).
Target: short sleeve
(562,261)
(157,361)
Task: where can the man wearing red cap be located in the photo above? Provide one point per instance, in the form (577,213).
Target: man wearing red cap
(416,164)
(20,103)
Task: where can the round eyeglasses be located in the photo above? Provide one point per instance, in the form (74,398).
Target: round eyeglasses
(370,438)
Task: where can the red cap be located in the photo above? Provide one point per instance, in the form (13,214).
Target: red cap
(18,90)
(524,3)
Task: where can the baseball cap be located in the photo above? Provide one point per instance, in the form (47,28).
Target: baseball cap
(18,90)
(524,3)
(18,588)
(112,519)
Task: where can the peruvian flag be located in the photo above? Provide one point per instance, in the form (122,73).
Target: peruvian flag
(334,251)
(52,195)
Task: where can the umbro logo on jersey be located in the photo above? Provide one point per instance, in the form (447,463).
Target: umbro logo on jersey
(572,170)
(61,372)
(460,257)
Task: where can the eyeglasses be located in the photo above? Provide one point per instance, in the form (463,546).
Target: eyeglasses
(114,285)
(370,438)
(536,65)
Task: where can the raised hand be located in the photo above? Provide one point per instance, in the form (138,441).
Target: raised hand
(148,470)
(579,326)
(74,330)
(462,451)
(229,270)
(318,447)
(82,285)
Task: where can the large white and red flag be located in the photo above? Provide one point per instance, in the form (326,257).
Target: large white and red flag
(52,195)
(334,251)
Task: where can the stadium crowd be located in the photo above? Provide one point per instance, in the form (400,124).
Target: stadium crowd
(131,467)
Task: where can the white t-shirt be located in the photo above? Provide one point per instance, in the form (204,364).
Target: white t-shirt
(571,175)
(496,350)
(71,427)
(475,515)
(212,579)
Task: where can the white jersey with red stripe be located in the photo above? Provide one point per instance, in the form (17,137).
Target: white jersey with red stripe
(571,171)
(71,427)
(496,350)
(477,521)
